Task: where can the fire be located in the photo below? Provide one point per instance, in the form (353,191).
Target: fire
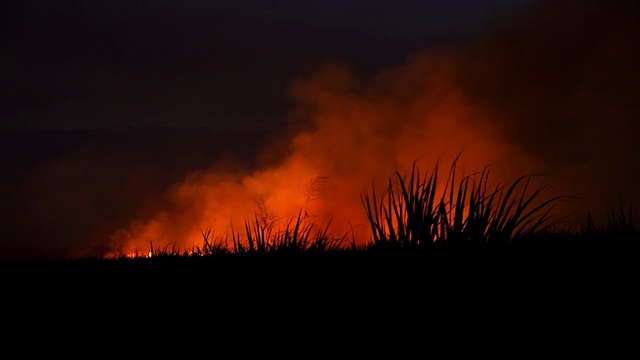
(544,93)
(356,134)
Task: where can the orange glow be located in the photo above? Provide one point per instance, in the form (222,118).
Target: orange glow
(546,92)
(358,134)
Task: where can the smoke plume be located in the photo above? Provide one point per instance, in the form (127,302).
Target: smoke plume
(550,91)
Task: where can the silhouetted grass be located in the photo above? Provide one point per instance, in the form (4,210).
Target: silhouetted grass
(411,215)
(420,213)
(235,297)
(298,235)
(619,223)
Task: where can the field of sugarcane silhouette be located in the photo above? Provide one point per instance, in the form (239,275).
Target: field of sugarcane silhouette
(423,213)
(458,261)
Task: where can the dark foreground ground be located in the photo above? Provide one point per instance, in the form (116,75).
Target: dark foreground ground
(328,306)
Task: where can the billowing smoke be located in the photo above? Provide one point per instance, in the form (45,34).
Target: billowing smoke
(552,91)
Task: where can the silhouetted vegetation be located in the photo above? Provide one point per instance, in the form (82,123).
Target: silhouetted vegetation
(412,215)
(455,263)
(420,214)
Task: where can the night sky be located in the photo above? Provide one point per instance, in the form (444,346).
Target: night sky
(107,104)
(227,64)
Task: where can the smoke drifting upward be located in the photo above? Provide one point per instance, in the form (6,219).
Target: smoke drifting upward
(552,91)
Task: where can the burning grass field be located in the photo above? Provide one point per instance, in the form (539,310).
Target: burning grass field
(469,270)
(171,258)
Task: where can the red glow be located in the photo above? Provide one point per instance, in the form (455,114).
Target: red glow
(359,134)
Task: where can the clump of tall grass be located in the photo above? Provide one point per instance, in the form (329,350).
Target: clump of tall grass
(262,235)
(619,222)
(415,213)
(299,235)
(619,229)
(419,212)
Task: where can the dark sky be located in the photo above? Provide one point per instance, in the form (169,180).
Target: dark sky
(73,64)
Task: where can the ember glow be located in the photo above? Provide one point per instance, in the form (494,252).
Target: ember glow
(521,101)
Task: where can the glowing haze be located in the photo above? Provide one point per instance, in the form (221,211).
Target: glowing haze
(551,91)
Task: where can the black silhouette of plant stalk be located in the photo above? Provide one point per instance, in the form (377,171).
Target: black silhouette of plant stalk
(410,214)
(298,235)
